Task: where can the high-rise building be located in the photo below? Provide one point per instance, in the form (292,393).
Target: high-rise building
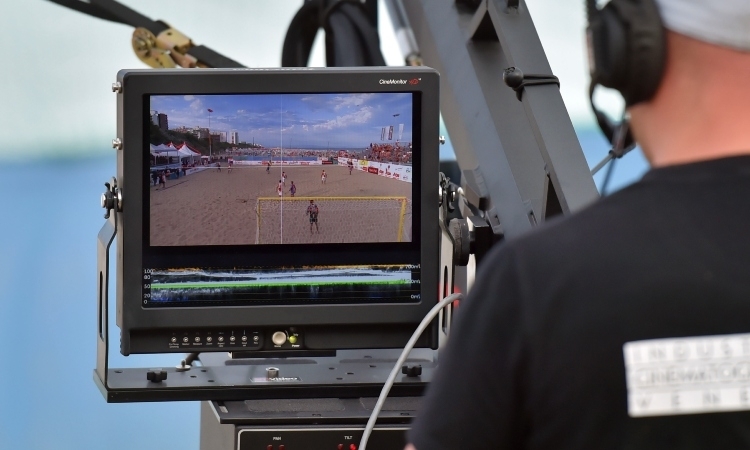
(200,133)
(215,139)
(155,117)
(163,123)
(222,136)
(234,137)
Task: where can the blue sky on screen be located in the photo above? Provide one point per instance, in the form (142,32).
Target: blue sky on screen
(296,120)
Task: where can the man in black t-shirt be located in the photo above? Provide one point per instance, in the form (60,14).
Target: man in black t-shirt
(626,325)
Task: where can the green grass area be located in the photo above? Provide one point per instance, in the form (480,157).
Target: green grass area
(272,284)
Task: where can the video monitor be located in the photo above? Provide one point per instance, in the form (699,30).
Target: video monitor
(276,210)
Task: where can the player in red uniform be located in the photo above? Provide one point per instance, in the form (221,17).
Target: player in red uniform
(323,177)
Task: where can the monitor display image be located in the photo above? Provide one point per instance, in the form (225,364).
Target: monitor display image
(280,169)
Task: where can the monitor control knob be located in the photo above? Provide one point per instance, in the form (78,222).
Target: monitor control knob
(278,338)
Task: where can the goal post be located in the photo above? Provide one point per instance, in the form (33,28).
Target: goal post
(284,220)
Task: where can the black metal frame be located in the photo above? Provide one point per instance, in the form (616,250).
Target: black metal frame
(227,381)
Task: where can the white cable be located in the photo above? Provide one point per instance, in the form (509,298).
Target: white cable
(404,354)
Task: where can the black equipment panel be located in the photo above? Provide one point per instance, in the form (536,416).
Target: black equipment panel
(320,438)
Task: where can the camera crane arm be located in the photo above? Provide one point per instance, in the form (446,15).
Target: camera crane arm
(514,141)
(155,42)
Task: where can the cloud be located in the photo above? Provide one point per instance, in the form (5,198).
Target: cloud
(188,98)
(305,128)
(350,100)
(308,98)
(196,105)
(357,117)
(240,111)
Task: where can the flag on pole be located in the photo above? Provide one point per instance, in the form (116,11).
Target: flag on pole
(210,110)
(400,130)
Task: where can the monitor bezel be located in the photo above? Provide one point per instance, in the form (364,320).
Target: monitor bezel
(139,85)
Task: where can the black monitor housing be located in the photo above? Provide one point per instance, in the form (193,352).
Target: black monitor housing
(216,252)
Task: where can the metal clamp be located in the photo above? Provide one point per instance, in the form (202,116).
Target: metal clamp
(111,198)
(517,80)
(166,50)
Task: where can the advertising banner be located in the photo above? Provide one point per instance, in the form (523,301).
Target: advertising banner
(407,174)
(193,170)
(398,173)
(278,163)
(390,133)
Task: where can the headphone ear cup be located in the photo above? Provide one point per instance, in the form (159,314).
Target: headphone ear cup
(628,48)
(608,47)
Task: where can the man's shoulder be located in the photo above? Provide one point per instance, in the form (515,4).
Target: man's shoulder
(600,221)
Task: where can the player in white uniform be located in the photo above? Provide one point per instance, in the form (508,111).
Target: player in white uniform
(323,177)
(280,188)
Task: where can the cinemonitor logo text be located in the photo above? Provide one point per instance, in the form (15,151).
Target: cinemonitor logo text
(393,81)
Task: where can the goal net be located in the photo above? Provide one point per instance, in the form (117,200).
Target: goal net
(340,220)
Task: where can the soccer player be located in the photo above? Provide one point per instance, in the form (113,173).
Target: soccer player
(293,189)
(283,177)
(351,166)
(323,177)
(268,167)
(312,211)
(218,166)
(231,163)
(279,188)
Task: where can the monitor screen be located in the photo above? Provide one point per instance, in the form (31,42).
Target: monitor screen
(265,201)
(280,169)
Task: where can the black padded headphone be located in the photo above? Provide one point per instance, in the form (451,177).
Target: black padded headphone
(627,52)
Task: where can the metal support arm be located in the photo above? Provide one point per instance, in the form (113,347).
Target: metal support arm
(526,151)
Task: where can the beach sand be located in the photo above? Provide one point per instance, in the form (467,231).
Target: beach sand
(221,208)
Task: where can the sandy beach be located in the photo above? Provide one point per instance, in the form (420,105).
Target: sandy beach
(221,208)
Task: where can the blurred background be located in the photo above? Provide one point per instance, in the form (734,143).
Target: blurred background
(57,119)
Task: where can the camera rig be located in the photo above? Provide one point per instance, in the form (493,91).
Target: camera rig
(521,163)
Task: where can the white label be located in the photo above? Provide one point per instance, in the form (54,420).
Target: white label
(688,375)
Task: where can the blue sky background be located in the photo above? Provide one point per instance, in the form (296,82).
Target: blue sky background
(57,119)
(341,121)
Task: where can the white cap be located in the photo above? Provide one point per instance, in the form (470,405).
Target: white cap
(721,22)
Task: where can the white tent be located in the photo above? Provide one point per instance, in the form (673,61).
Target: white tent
(163,150)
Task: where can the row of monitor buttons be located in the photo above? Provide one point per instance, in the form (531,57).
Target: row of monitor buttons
(209,339)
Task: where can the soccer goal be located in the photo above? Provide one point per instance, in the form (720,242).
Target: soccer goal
(340,220)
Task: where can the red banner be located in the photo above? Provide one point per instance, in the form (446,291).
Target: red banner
(373,170)
(327,162)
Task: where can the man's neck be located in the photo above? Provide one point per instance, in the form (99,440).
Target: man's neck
(702,108)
